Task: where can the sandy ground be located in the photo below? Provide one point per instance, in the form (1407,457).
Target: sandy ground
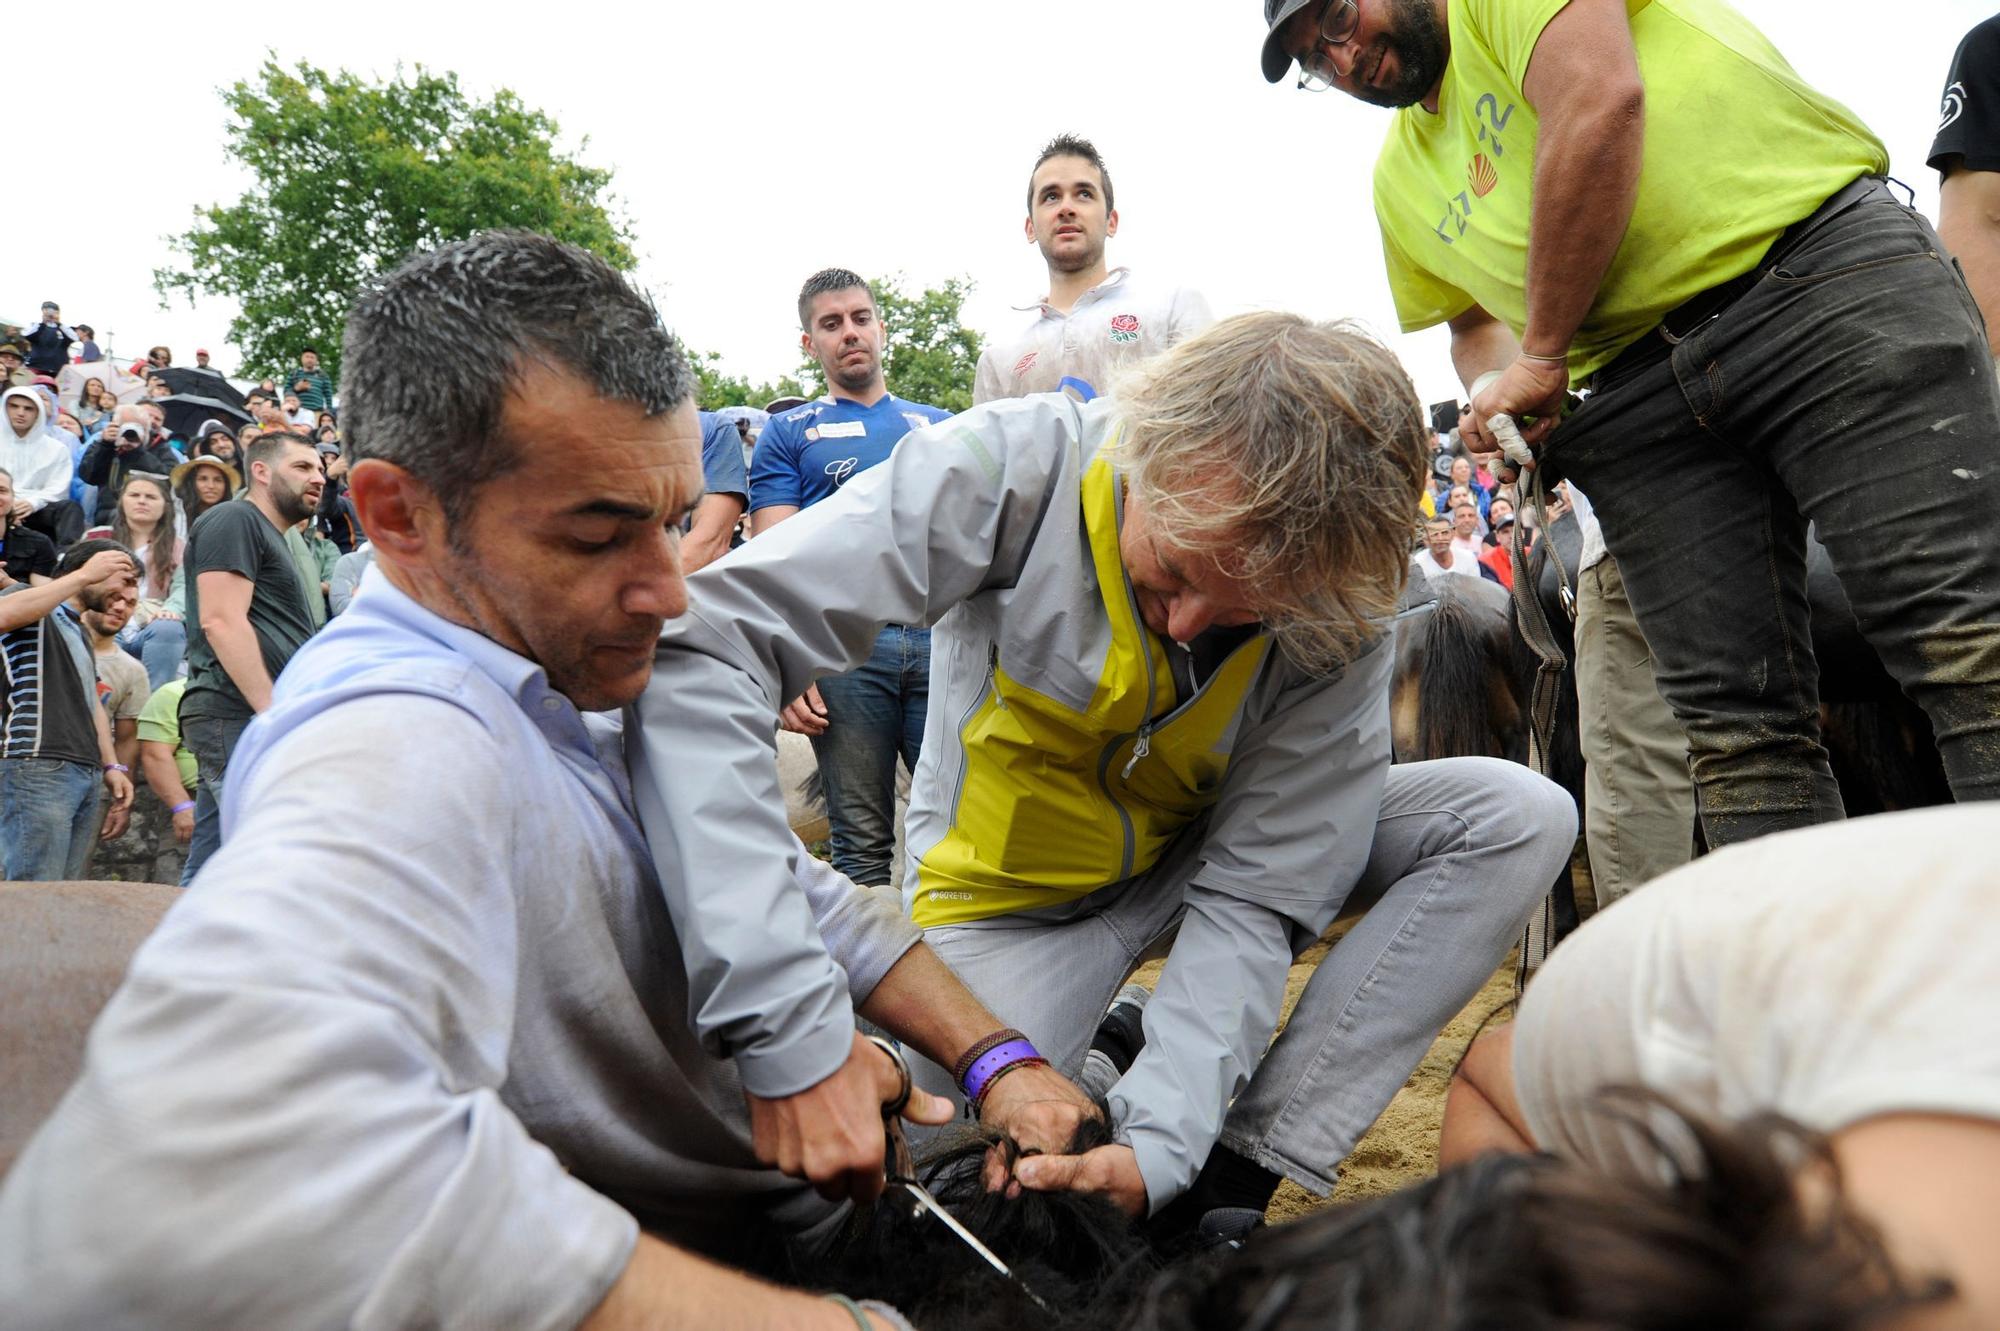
(1402,1146)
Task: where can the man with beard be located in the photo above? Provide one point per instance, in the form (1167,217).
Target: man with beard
(859,721)
(246,606)
(1093,319)
(1754,304)
(55,741)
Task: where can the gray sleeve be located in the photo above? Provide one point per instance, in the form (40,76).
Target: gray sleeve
(1286,843)
(952,511)
(864,929)
(289,1113)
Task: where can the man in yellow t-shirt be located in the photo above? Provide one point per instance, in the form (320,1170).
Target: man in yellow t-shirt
(1641,197)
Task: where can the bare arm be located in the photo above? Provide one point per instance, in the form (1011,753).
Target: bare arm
(225,622)
(125,740)
(1583,81)
(1969,224)
(763,519)
(119,784)
(924,1005)
(708,539)
(1482,1113)
(1480,342)
(664,1287)
(23,608)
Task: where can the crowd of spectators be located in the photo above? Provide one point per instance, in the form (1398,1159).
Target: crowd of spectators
(129,495)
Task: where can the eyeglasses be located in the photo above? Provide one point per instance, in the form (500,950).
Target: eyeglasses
(1337,25)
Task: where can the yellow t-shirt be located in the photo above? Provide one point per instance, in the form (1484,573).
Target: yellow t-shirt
(1737,148)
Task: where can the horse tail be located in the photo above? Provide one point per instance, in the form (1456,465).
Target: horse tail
(1454,708)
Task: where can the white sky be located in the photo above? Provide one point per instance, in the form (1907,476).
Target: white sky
(753,144)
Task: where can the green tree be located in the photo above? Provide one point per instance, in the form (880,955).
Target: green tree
(350,176)
(931,356)
(733,390)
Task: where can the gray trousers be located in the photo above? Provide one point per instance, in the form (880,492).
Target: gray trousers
(1638,808)
(1464,850)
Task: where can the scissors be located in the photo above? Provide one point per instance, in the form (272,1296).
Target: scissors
(900,1173)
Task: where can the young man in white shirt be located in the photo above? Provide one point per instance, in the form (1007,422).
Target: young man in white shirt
(1095,319)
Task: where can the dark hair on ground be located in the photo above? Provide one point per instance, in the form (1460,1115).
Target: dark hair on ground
(1718,1241)
(1072,145)
(267,446)
(80,554)
(824,281)
(434,347)
(1075,1252)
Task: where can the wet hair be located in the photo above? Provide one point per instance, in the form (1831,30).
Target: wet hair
(266,447)
(435,347)
(1718,1238)
(79,554)
(1071,145)
(824,281)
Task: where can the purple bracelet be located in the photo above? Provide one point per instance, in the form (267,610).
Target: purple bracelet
(988,1064)
(182,808)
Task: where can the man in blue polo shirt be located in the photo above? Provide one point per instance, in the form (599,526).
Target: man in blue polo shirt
(859,721)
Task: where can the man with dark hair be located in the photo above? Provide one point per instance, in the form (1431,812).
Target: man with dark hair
(1093,319)
(1736,318)
(247,612)
(859,721)
(313,385)
(461,1006)
(56,752)
(1966,155)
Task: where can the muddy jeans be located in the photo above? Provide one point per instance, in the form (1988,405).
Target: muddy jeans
(1849,385)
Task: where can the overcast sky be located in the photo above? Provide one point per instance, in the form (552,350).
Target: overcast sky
(753,144)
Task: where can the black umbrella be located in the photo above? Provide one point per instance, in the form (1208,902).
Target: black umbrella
(186,412)
(186,380)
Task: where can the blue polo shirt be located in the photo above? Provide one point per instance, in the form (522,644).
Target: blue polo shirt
(721,456)
(807,453)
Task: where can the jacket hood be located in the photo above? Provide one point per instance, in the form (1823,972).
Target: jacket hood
(41,424)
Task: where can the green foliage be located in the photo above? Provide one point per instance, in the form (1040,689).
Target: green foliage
(351,176)
(931,356)
(733,390)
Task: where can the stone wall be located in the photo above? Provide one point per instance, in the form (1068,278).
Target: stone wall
(147,852)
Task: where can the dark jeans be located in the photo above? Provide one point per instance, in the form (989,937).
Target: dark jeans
(48,818)
(211,740)
(1851,386)
(874,712)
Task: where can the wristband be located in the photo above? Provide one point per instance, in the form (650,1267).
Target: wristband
(979,1047)
(979,1103)
(853,1310)
(988,1066)
(1546,360)
(182,807)
(118,767)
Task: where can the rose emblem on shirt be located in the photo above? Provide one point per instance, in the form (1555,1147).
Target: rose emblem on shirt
(1026,363)
(1124,328)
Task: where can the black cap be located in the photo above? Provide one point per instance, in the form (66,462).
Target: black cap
(1276,61)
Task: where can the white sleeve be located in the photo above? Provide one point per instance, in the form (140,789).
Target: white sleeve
(48,482)
(1189,316)
(289,1113)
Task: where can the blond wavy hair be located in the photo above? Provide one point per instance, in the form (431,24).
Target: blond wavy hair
(1291,453)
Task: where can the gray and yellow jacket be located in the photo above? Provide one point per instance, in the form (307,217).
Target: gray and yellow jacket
(1063,753)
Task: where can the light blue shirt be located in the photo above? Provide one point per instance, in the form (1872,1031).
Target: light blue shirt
(419,1030)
